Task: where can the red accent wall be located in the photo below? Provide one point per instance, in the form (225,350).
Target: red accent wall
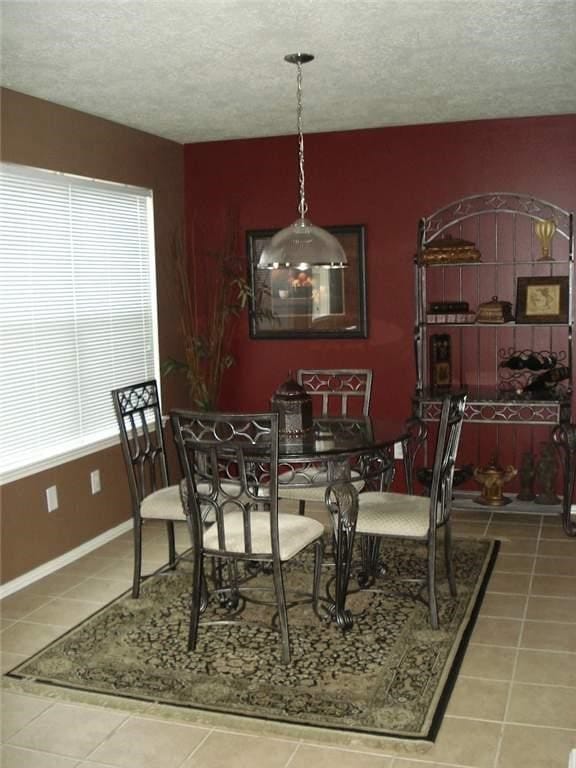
(385,179)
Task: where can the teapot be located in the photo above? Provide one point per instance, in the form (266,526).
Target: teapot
(492,478)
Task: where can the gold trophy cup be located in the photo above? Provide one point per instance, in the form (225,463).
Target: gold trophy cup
(545,230)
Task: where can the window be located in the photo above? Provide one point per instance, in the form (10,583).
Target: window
(77,312)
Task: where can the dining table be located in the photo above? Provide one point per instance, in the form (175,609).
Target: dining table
(357,452)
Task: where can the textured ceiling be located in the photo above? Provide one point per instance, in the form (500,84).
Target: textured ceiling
(201,70)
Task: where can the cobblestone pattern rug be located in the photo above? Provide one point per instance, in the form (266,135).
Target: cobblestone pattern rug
(391,675)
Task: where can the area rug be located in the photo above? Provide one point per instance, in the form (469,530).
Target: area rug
(390,675)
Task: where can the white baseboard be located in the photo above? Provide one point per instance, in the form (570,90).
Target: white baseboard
(59,562)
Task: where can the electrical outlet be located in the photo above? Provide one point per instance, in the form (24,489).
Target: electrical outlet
(398,453)
(52,498)
(95,483)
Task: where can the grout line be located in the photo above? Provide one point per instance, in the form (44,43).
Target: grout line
(517,654)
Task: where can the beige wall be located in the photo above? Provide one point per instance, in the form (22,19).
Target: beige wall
(38,133)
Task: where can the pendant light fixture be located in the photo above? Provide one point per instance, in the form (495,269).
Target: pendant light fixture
(302,245)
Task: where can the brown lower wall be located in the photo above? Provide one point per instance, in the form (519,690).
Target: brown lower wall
(37,133)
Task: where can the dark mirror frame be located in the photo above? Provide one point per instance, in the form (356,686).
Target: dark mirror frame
(287,305)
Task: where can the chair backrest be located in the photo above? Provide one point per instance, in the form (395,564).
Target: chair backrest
(230,463)
(447,442)
(338,391)
(139,419)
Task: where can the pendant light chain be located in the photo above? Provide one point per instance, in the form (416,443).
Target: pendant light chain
(302,245)
(302,207)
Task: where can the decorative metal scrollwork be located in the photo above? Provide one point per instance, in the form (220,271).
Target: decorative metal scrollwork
(564,436)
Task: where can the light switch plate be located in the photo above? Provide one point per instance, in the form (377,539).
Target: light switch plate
(52,498)
(95,483)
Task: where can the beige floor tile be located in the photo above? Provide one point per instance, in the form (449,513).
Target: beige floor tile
(64,612)
(503,632)
(512,583)
(552,531)
(67,730)
(548,705)
(504,606)
(55,584)
(552,609)
(464,743)
(21,604)
(328,757)
(10,660)
(478,699)
(517,546)
(26,638)
(143,742)
(96,590)
(243,751)
(488,662)
(117,548)
(555,566)
(557,547)
(560,586)
(513,530)
(15,757)
(5,623)
(18,711)
(478,515)
(514,563)
(552,636)
(469,528)
(546,667)
(525,518)
(91,765)
(121,570)
(529,747)
(400,762)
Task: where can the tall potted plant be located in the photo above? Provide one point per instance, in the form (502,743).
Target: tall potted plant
(210,294)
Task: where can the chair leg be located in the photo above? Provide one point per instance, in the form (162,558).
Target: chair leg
(282,610)
(197,597)
(432,600)
(371,565)
(171,544)
(448,558)
(137,557)
(301,507)
(318,559)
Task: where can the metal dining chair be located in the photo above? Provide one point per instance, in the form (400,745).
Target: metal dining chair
(137,409)
(227,460)
(564,436)
(334,392)
(420,518)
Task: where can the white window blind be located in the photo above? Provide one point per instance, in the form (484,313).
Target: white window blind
(77,311)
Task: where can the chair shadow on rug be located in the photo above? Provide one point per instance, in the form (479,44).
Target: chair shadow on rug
(230,464)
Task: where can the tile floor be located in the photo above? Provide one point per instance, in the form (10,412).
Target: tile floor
(513,706)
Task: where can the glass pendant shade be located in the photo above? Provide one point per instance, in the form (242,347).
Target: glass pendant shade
(302,246)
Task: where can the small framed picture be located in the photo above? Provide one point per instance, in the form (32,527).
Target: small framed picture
(542,300)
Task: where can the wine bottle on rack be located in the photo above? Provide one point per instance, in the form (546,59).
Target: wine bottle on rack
(548,379)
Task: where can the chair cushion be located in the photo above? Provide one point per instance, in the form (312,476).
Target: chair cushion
(295,533)
(393,514)
(164,504)
(311,492)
